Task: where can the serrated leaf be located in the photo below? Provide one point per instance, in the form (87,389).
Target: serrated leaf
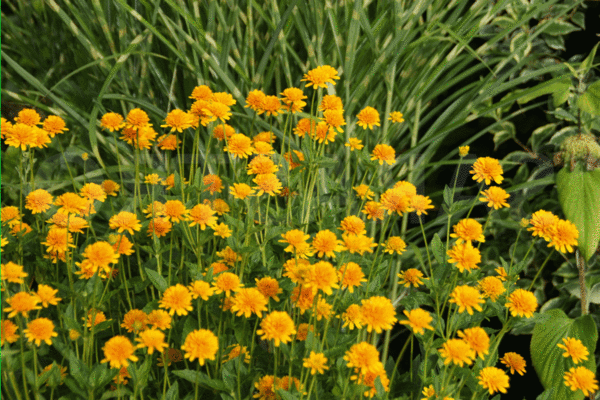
(547,358)
(590,100)
(157,280)
(579,198)
(438,248)
(447,195)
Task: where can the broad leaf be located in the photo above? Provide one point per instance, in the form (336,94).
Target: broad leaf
(590,100)
(157,280)
(579,197)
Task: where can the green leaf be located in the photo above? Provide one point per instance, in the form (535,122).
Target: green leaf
(173,392)
(202,379)
(437,247)
(547,357)
(590,100)
(558,28)
(448,196)
(579,197)
(157,280)
(589,61)
(557,84)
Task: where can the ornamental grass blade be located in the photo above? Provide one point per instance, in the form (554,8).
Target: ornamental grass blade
(547,358)
(579,197)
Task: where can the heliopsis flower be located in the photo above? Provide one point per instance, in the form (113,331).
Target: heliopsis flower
(125,221)
(236,351)
(71,203)
(28,116)
(563,236)
(47,295)
(94,317)
(137,119)
(354,144)
(277,326)
(121,378)
(100,254)
(201,289)
(466,298)
(362,356)
(239,145)
(396,117)
(177,120)
(378,313)
(465,256)
(296,240)
(222,230)
(522,303)
(93,191)
(581,378)
(493,379)
(418,320)
(118,351)
(368,117)
(177,299)
(421,204)
(201,92)
(152,179)
(22,302)
(168,142)
(266,388)
(223,98)
(121,244)
(331,102)
(491,287)
(303,297)
(357,243)
(368,379)
(110,187)
(495,197)
(159,319)
(152,339)
(320,77)
(468,230)
(487,169)
(38,201)
(263,149)
(54,124)
(249,301)
(353,225)
(316,362)
(478,339)
(305,126)
(543,224)
(159,226)
(350,276)
(227,282)
(269,287)
(112,121)
(241,191)
(10,215)
(255,100)
(20,135)
(213,183)
(12,272)
(374,210)
(411,276)
(384,152)
(262,165)
(202,215)
(175,211)
(352,317)
(502,275)
(40,329)
(135,321)
(395,244)
(326,243)
(292,98)
(363,192)
(396,200)
(457,351)
(229,256)
(8,332)
(515,362)
(271,105)
(323,276)
(574,349)
(463,151)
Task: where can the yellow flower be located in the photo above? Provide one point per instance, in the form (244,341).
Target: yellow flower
(222,230)
(522,303)
(320,77)
(543,224)
(495,197)
(239,145)
(175,211)
(457,351)
(118,351)
(8,332)
(100,255)
(335,120)
(515,362)
(331,102)
(418,320)
(354,144)
(563,236)
(38,201)
(269,287)
(363,192)
(374,210)
(177,299)
(362,356)
(396,200)
(262,165)
(395,244)
(368,379)
(271,106)
(241,191)
(378,313)
(177,120)
(323,276)
(466,298)
(152,339)
(28,116)
(277,326)
(326,243)
(213,183)
(463,151)
(574,349)
(137,119)
(227,282)
(267,183)
(411,276)
(47,295)
(152,179)
(159,319)
(112,121)
(237,351)
(110,187)
(491,287)
(493,379)
(316,362)
(159,226)
(352,317)
(40,329)
(54,124)
(201,289)
(396,116)
(135,321)
(421,204)
(201,344)
(465,256)
(12,272)
(168,142)
(202,215)
(201,92)
(125,221)
(468,230)
(94,316)
(323,309)
(477,339)
(384,152)
(249,301)
(229,256)
(350,275)
(487,169)
(22,302)
(255,100)
(368,117)
(581,378)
